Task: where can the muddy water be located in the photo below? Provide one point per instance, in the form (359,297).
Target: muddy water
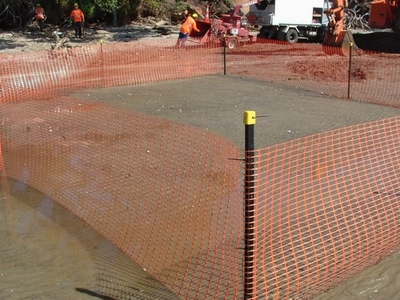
(48,253)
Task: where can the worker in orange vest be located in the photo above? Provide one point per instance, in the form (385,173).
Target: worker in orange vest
(186,28)
(78,18)
(40,16)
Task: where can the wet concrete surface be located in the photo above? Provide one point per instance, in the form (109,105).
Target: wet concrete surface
(217,103)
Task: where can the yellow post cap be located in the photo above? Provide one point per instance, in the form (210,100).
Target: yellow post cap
(249,117)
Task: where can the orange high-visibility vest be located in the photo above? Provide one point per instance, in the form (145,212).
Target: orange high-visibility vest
(77,15)
(188,25)
(39,11)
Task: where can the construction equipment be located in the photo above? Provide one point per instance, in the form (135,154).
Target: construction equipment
(385,14)
(336,33)
(231,30)
(289,20)
(378,35)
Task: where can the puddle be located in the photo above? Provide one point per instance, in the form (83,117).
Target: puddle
(47,252)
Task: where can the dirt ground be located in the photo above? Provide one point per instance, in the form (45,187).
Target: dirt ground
(31,39)
(285,113)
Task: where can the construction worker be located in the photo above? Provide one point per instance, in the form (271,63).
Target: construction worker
(186,28)
(78,19)
(40,16)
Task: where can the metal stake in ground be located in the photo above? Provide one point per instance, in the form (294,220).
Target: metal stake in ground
(224,53)
(349,74)
(249,203)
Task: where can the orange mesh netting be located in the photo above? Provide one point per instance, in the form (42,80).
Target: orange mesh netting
(171,195)
(368,77)
(44,74)
(165,193)
(326,208)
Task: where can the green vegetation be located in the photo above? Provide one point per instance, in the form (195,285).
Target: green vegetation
(19,13)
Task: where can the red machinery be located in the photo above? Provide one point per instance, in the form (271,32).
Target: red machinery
(231,29)
(384,14)
(336,33)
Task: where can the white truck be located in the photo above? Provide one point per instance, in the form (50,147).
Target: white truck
(289,20)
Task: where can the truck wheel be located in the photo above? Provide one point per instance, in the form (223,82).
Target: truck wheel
(292,36)
(232,43)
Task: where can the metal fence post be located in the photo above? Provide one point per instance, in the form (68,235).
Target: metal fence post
(102,63)
(349,75)
(224,42)
(249,206)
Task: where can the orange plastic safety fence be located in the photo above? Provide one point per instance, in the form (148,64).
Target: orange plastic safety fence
(364,76)
(168,194)
(327,207)
(42,75)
